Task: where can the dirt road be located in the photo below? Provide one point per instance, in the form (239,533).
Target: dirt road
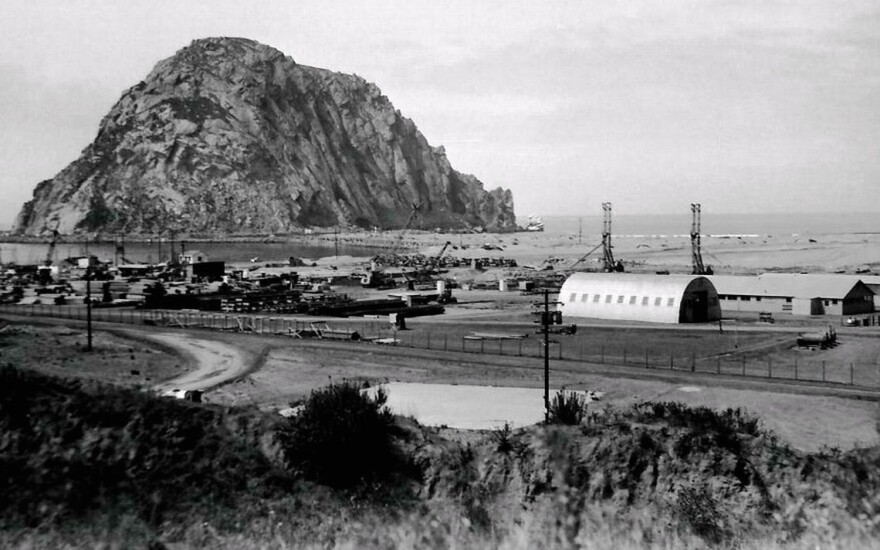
(270,372)
(215,362)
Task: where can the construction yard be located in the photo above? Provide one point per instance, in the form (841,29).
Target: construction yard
(743,349)
(280,369)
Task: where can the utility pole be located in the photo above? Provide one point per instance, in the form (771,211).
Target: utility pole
(336,241)
(89,303)
(171,247)
(119,252)
(547,318)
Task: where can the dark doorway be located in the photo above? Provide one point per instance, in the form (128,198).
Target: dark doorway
(695,307)
(701,306)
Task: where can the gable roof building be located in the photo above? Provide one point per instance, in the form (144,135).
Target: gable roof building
(796,293)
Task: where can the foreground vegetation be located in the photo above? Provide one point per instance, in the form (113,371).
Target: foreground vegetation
(87,465)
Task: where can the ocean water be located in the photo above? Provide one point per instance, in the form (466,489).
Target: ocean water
(30,253)
(591,227)
(718,224)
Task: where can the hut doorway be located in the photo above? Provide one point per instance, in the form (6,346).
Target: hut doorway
(695,308)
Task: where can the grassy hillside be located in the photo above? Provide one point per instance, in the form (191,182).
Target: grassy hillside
(662,473)
(86,465)
(70,448)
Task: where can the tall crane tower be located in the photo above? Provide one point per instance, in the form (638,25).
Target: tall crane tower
(608,263)
(119,249)
(50,255)
(696,252)
(416,209)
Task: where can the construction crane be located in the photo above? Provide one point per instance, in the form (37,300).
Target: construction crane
(435,262)
(119,249)
(608,263)
(173,258)
(696,252)
(50,255)
(585,256)
(415,210)
(375,277)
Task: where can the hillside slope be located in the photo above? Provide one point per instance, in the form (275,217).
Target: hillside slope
(86,466)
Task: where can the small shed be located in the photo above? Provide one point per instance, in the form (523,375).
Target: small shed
(193,257)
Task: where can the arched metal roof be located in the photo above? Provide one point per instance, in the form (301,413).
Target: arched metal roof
(635,297)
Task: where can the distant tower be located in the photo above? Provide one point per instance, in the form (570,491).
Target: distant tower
(696,253)
(119,255)
(608,264)
(171,249)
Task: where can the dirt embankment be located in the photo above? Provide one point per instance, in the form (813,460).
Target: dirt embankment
(658,474)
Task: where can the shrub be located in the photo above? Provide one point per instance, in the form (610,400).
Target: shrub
(568,408)
(700,418)
(698,512)
(68,448)
(503,438)
(341,437)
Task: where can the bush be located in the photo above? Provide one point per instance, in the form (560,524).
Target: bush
(503,438)
(698,512)
(568,408)
(68,448)
(341,437)
(736,421)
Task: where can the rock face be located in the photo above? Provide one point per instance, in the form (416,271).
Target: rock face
(230,136)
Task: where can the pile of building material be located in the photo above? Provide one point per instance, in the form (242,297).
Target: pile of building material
(43,295)
(352,308)
(114,290)
(255,302)
(496,336)
(817,340)
(139,290)
(422,261)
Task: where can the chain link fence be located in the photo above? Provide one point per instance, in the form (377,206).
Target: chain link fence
(745,363)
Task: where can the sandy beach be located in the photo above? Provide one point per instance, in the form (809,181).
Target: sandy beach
(727,254)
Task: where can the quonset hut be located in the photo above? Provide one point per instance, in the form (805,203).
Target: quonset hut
(636,297)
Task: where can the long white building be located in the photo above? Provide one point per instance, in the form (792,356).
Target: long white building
(795,293)
(640,297)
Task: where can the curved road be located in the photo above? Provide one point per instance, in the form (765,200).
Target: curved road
(215,362)
(221,357)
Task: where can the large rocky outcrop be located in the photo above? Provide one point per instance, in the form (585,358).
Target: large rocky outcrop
(230,136)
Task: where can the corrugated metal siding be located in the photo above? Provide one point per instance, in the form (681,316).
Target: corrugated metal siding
(632,297)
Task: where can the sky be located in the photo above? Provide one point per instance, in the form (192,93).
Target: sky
(763,106)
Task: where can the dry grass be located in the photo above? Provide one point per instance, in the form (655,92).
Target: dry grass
(91,466)
(61,351)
